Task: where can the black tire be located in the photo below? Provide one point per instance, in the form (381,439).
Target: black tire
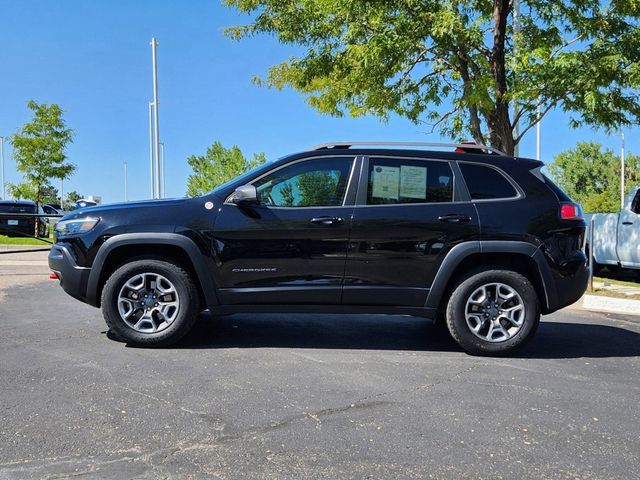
(186,291)
(461,331)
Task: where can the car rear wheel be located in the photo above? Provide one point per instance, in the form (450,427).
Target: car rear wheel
(493,312)
(150,302)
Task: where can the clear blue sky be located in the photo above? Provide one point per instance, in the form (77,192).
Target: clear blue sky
(93,59)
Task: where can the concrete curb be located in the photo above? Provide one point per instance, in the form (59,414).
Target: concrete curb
(600,303)
(24,248)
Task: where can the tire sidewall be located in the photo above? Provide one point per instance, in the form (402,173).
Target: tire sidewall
(185,291)
(457,305)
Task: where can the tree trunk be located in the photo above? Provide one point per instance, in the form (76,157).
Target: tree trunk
(501,132)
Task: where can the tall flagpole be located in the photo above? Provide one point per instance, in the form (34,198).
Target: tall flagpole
(2,165)
(164,182)
(156,105)
(538,136)
(152,176)
(622,173)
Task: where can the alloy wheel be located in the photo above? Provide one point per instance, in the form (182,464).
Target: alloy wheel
(495,312)
(148,302)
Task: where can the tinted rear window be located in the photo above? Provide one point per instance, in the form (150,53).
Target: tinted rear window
(486,183)
(13,208)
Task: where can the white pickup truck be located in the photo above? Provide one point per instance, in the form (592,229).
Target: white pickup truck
(616,236)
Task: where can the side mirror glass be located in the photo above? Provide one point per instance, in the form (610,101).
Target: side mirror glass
(245,195)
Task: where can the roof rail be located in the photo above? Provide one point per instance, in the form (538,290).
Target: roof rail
(325,146)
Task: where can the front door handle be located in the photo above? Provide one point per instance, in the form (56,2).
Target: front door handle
(627,223)
(454,218)
(327,220)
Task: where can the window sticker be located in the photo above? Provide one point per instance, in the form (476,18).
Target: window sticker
(386,181)
(413,182)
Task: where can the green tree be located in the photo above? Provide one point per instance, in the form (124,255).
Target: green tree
(317,188)
(591,176)
(50,194)
(217,166)
(71,199)
(454,64)
(39,151)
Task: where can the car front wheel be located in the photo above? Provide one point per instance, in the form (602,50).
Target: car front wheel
(150,302)
(493,312)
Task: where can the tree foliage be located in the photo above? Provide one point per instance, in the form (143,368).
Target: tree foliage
(308,189)
(217,166)
(454,64)
(591,176)
(71,199)
(39,149)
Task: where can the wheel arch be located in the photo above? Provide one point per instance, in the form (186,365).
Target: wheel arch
(119,249)
(467,257)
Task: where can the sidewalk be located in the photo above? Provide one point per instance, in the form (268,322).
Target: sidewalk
(612,297)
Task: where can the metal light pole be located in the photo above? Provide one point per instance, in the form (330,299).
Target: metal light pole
(154,62)
(164,183)
(538,136)
(622,169)
(62,194)
(2,165)
(151,167)
(126,186)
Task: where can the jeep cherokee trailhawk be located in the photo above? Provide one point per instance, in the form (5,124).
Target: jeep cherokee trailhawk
(471,237)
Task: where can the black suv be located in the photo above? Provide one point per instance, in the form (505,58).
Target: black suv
(473,238)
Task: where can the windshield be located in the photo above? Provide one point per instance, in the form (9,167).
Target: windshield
(240,178)
(16,208)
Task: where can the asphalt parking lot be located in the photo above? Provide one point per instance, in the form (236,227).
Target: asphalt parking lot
(307,396)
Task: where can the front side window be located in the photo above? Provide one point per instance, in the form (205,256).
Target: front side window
(321,182)
(399,181)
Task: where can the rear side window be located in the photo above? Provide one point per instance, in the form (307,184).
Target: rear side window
(398,181)
(17,208)
(486,183)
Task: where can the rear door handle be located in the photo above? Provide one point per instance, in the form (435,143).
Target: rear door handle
(454,218)
(327,220)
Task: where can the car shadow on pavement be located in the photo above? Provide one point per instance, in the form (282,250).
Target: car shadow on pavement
(385,332)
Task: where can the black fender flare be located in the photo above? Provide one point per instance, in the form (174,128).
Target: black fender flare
(461,251)
(198,260)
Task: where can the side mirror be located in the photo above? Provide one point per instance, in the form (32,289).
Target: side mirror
(245,195)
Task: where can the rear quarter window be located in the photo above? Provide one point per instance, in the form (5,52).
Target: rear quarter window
(486,183)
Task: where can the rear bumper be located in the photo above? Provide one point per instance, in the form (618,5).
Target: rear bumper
(73,279)
(17,230)
(568,288)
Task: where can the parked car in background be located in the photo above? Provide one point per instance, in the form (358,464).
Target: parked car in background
(53,209)
(473,238)
(86,203)
(616,236)
(19,225)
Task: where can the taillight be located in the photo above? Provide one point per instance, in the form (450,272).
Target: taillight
(570,211)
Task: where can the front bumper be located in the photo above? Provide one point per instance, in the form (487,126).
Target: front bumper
(73,279)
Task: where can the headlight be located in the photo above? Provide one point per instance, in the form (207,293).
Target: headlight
(77,225)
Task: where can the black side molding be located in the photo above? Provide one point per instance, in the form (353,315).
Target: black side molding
(198,260)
